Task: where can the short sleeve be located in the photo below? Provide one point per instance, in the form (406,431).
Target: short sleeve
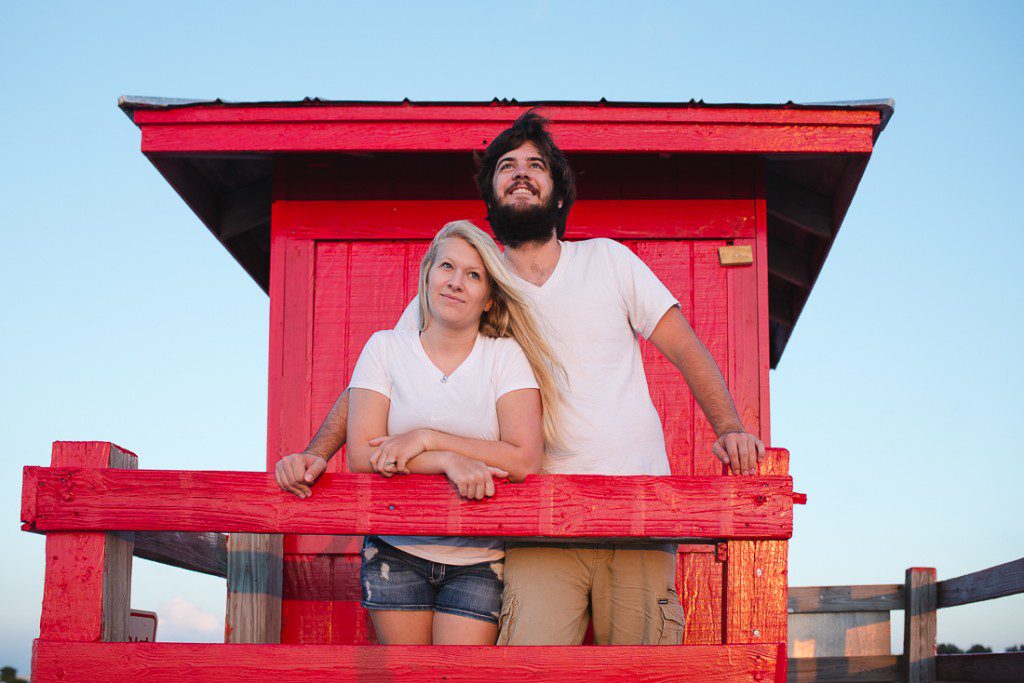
(371,368)
(645,296)
(410,320)
(512,370)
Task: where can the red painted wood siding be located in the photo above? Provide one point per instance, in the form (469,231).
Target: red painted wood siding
(339,285)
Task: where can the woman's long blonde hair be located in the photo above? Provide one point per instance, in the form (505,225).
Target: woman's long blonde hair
(511,315)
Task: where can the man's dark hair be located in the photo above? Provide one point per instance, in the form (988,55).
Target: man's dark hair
(530,127)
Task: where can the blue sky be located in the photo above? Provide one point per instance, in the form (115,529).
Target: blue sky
(898,394)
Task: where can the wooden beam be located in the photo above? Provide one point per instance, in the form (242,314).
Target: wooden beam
(863,669)
(204,552)
(87,587)
(244,209)
(255,573)
(921,600)
(872,598)
(469,136)
(789,263)
(994,582)
(798,206)
(584,506)
(160,662)
(996,666)
(420,219)
(462,113)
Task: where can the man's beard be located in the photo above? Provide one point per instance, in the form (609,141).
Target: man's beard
(515,226)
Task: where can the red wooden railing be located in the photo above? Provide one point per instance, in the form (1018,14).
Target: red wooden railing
(89,511)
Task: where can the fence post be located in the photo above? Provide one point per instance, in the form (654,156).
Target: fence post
(87,588)
(921,595)
(255,575)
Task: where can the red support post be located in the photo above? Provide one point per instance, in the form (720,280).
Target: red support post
(88,574)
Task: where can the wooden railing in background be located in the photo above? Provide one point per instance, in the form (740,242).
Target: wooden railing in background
(920,596)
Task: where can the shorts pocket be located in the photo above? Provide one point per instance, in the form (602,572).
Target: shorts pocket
(672,623)
(507,618)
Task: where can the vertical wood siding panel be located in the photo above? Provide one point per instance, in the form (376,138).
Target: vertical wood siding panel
(701,593)
(329,377)
(306,615)
(710,322)
(743,372)
(671,261)
(297,344)
(761,264)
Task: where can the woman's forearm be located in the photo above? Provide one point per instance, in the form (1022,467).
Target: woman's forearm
(518,461)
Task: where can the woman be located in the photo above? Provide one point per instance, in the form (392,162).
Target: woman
(471,396)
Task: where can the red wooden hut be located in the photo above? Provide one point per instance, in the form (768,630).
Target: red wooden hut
(328,206)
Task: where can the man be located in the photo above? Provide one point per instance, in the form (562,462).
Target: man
(594,297)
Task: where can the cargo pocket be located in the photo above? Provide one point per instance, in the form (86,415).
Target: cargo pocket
(507,618)
(672,623)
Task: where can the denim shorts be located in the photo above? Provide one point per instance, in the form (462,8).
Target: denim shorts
(393,579)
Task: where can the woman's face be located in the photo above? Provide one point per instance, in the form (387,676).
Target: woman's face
(458,289)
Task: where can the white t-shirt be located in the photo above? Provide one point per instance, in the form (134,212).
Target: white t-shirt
(393,363)
(598,299)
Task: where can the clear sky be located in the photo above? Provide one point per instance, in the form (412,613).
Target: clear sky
(899,394)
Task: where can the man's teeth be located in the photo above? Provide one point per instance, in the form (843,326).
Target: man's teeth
(522,190)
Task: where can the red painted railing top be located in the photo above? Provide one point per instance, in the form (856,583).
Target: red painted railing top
(583,506)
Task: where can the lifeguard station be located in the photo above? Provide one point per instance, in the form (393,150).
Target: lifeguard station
(328,206)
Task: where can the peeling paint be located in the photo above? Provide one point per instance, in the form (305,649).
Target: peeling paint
(385,571)
(499,570)
(369,552)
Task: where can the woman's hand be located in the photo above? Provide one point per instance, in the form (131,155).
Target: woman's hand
(471,478)
(394,452)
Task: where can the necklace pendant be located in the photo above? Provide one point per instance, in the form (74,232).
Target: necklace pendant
(444,379)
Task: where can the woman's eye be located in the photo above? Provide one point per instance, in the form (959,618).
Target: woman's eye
(445,266)
(475,275)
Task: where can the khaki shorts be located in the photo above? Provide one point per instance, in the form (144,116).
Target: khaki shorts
(551,592)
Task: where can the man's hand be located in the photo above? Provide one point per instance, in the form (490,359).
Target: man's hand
(394,452)
(740,451)
(471,478)
(295,473)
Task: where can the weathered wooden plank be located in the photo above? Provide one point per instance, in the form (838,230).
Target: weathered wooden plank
(710,322)
(253,612)
(873,669)
(672,262)
(157,662)
(994,582)
(421,219)
(649,113)
(417,136)
(921,601)
(204,552)
(996,666)
(839,634)
(585,506)
(868,598)
(87,587)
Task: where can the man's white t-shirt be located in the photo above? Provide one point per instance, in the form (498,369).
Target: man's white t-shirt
(393,363)
(598,299)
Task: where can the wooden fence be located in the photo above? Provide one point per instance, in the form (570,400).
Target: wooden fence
(920,596)
(98,510)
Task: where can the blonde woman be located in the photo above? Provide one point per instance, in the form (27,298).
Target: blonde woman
(469,395)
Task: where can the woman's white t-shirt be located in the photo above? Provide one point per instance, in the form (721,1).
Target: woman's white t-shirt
(464,403)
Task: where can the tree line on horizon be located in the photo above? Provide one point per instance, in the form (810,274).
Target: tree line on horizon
(976,649)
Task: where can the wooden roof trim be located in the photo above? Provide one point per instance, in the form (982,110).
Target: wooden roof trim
(219,113)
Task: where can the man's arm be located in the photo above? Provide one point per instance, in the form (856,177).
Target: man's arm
(297,471)
(674,337)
